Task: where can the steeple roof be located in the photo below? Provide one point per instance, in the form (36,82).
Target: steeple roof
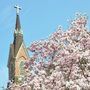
(18,25)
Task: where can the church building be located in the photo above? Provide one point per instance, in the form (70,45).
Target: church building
(18,53)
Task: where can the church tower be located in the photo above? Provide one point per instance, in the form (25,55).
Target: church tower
(18,53)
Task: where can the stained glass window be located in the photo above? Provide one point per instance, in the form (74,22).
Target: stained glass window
(22,68)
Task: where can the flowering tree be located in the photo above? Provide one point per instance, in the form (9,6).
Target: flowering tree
(61,62)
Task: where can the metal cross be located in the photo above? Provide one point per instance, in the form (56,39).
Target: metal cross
(17,9)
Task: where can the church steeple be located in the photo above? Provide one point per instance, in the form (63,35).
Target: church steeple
(18,35)
(18,53)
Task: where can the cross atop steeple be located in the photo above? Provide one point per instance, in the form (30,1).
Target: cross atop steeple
(18,25)
(17,9)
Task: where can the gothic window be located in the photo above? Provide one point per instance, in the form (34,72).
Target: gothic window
(22,68)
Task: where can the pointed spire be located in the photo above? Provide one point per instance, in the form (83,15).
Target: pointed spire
(18,34)
(18,26)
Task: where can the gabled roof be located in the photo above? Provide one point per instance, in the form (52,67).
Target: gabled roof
(18,40)
(24,51)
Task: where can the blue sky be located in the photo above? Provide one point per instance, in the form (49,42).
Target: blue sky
(39,18)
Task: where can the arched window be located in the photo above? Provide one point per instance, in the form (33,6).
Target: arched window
(22,70)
